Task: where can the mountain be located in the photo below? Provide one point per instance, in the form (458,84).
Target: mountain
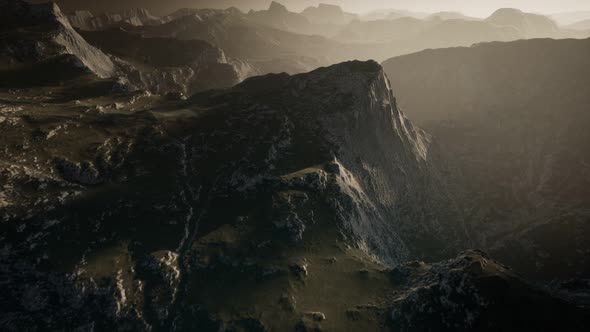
(448,29)
(399,29)
(384,38)
(325,14)
(570,17)
(451,16)
(582,25)
(85,20)
(407,35)
(170,65)
(278,17)
(529,25)
(512,120)
(40,37)
(303,202)
(41,48)
(391,14)
(235,209)
(162,8)
(431,296)
(261,45)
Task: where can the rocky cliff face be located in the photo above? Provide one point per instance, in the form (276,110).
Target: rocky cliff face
(41,33)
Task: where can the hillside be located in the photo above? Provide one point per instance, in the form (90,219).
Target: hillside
(512,119)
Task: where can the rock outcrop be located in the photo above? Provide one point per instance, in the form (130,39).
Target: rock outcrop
(34,34)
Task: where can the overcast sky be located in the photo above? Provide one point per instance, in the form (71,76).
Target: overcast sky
(471,7)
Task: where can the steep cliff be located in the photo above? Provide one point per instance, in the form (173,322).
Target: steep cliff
(36,34)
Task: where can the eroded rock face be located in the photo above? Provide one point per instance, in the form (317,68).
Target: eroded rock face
(40,33)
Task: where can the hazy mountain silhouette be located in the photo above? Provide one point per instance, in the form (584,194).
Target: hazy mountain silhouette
(85,20)
(582,25)
(512,119)
(528,25)
(568,18)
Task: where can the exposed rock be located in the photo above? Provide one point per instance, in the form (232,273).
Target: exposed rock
(58,40)
(310,322)
(83,173)
(299,270)
(182,234)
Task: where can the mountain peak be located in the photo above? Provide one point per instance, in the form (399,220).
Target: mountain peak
(529,25)
(60,41)
(369,66)
(328,14)
(329,7)
(344,74)
(507,12)
(277,7)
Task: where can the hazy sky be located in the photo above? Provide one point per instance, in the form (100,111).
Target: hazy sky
(470,7)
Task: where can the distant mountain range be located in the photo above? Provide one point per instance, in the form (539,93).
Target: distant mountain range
(582,25)
(569,18)
(40,46)
(276,39)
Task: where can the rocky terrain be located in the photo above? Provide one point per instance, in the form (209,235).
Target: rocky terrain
(39,39)
(116,214)
(41,35)
(170,65)
(150,182)
(512,119)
